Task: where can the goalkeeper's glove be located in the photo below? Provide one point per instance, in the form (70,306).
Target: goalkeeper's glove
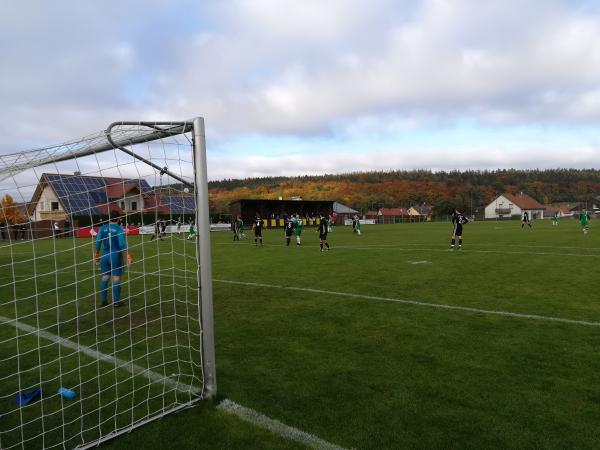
(129,259)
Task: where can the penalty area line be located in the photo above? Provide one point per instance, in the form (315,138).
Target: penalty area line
(249,415)
(422,304)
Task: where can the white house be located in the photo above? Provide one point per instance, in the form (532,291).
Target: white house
(508,205)
(48,207)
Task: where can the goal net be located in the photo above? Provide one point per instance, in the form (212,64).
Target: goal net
(92,346)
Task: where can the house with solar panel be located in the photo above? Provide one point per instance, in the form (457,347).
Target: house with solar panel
(60,197)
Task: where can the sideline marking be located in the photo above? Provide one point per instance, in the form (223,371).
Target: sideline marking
(249,415)
(418,303)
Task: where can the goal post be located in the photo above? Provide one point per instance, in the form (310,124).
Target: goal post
(91,347)
(203,254)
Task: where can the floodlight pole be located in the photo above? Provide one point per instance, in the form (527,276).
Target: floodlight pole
(203,257)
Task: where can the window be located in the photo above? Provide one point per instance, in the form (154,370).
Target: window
(54,206)
(123,205)
(134,206)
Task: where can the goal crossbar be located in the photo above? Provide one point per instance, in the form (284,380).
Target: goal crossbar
(13,164)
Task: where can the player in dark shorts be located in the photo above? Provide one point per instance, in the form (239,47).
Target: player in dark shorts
(525,220)
(257,227)
(157,232)
(458,220)
(289,229)
(323,225)
(235,228)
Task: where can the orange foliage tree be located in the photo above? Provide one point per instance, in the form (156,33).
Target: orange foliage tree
(9,211)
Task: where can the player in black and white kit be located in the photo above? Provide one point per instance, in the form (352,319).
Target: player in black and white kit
(323,228)
(257,227)
(458,220)
(525,220)
(289,229)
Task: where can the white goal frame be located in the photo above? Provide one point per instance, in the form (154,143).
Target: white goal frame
(157,131)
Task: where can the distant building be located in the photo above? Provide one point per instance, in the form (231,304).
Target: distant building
(421,212)
(561,209)
(59,197)
(389,215)
(596,204)
(343,212)
(509,205)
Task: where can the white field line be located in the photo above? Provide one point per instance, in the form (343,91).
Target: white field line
(280,429)
(466,249)
(406,302)
(415,248)
(418,303)
(246,414)
(130,367)
(486,244)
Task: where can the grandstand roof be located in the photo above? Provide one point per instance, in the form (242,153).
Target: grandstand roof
(343,209)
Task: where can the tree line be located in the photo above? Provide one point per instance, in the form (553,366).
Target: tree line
(445,190)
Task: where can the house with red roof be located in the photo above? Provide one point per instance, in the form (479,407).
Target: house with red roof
(510,205)
(388,215)
(421,212)
(59,197)
(561,209)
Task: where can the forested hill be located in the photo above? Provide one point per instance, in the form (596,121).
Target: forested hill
(444,190)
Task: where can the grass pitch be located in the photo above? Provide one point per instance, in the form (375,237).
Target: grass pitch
(329,342)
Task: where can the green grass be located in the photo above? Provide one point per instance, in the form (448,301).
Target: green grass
(358,372)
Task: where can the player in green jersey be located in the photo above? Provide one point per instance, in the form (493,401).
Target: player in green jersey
(299,226)
(241,228)
(192,233)
(555,219)
(357,226)
(584,220)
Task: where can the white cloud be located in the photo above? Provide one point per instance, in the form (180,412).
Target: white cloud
(433,159)
(283,67)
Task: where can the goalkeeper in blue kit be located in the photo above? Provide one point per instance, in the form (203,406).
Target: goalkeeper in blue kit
(111,240)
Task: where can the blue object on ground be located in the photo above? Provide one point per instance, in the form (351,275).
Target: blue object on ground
(67,393)
(25,398)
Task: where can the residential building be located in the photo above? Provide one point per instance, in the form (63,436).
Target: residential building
(514,205)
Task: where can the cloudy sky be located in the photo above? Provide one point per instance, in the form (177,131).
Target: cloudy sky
(290,87)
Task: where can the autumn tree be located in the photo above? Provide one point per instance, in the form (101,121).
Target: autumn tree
(9,211)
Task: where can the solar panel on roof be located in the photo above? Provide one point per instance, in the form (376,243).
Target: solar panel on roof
(83,195)
(179,204)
